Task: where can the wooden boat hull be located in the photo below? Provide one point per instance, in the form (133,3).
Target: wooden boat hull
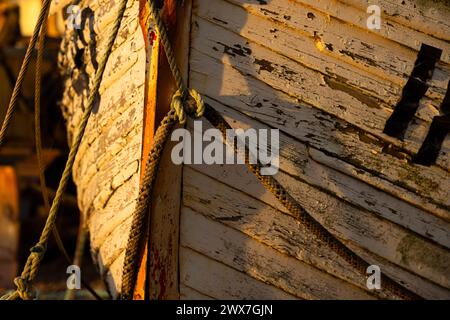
(313,70)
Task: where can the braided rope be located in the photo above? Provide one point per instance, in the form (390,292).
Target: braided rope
(140,221)
(38,142)
(37,132)
(24,282)
(177,105)
(136,237)
(43,14)
(164,37)
(306,219)
(37,115)
(179,108)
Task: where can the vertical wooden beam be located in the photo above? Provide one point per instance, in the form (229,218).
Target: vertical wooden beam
(9,226)
(158,275)
(152,48)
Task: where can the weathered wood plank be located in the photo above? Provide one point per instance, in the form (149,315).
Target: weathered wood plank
(296,159)
(106,170)
(349,55)
(187,293)
(219,281)
(94,194)
(244,254)
(165,209)
(152,51)
(111,185)
(380,183)
(390,29)
(111,249)
(113,275)
(118,207)
(353,225)
(322,131)
(284,233)
(429,17)
(306,85)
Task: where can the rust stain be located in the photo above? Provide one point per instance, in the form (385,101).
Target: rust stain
(158,272)
(147,135)
(155,68)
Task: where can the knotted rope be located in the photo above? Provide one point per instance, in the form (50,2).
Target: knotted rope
(181,104)
(178,102)
(25,289)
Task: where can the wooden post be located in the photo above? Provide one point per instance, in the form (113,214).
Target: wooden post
(158,276)
(9,226)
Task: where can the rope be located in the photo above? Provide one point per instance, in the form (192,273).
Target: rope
(10,76)
(25,289)
(38,142)
(43,14)
(135,243)
(307,220)
(180,105)
(163,36)
(183,92)
(177,105)
(37,133)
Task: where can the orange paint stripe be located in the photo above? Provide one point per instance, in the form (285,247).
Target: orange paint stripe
(152,115)
(149,126)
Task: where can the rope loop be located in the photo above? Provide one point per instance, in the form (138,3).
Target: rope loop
(25,289)
(179,104)
(199,102)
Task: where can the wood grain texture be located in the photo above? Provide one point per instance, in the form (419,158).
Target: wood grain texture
(352,56)
(234,249)
(428,17)
(222,282)
(106,170)
(314,71)
(299,161)
(259,64)
(187,293)
(405,33)
(163,272)
(324,93)
(376,241)
(325,132)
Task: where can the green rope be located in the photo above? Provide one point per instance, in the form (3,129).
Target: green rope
(178,105)
(23,283)
(162,32)
(183,93)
